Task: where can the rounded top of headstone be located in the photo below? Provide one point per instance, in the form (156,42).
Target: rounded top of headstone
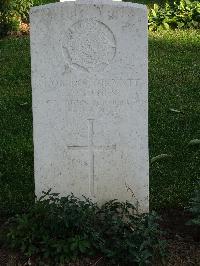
(115,3)
(108,2)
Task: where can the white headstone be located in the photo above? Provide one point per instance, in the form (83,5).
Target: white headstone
(90,100)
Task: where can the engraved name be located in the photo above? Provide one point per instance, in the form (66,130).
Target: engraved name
(103,93)
(102,87)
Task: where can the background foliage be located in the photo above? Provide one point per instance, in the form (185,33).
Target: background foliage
(13,12)
(9,18)
(182,15)
(166,15)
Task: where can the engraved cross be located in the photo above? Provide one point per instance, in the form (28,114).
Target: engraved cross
(91,148)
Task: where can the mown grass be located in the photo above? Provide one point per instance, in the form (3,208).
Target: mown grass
(174,82)
(16,148)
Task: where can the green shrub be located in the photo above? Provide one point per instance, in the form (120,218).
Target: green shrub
(182,15)
(9,17)
(61,230)
(12,12)
(23,6)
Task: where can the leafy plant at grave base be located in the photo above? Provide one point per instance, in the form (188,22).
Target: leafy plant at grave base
(179,15)
(61,230)
(195,206)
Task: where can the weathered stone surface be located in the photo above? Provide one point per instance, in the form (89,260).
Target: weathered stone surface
(90,100)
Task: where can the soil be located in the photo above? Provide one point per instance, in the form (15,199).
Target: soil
(183,239)
(183,244)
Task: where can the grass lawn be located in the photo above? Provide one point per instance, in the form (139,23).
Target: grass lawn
(174,83)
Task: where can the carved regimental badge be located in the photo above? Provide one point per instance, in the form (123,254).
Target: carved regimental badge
(88,45)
